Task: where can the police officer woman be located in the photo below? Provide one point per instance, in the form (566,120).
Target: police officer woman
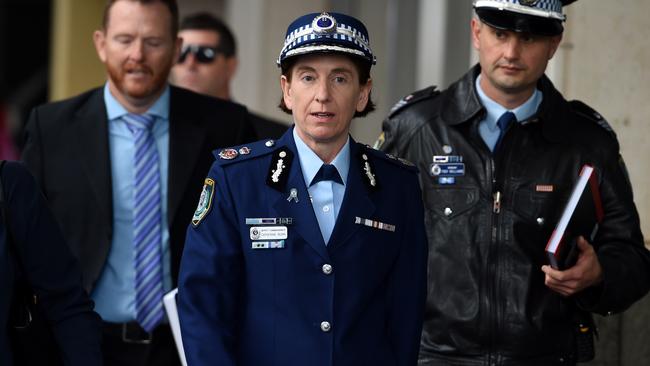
(309,250)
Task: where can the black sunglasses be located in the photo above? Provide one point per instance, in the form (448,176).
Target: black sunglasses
(202,54)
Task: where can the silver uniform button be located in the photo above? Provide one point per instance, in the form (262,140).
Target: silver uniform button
(540,221)
(448,211)
(327,268)
(325,326)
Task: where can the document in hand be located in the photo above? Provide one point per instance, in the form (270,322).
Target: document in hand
(169,301)
(581,216)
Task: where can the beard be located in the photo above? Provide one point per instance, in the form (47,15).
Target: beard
(138,81)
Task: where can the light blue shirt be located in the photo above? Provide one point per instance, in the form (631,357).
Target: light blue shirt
(114,293)
(326,196)
(488,128)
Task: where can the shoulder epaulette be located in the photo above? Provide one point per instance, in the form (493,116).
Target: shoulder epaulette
(423,94)
(589,113)
(403,163)
(244,152)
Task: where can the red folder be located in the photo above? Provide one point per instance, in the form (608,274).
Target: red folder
(581,216)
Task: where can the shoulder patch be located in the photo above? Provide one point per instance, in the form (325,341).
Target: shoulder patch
(589,113)
(244,152)
(423,94)
(380,141)
(205,202)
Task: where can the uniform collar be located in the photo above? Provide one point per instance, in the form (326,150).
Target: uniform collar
(461,103)
(495,110)
(310,163)
(116,110)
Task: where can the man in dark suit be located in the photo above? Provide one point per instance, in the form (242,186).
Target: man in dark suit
(32,248)
(310,250)
(208,62)
(122,166)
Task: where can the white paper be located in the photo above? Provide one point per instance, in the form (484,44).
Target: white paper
(169,300)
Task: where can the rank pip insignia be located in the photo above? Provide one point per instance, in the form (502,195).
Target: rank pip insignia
(205,202)
(228,154)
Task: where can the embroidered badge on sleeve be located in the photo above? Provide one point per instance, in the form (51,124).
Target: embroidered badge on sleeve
(205,202)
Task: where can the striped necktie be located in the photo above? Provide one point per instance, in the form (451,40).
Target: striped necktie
(147,219)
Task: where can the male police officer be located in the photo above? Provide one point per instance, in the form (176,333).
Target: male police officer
(498,154)
(309,250)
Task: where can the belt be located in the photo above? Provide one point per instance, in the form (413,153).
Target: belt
(130,332)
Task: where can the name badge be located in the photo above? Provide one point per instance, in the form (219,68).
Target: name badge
(447,159)
(269,232)
(269,220)
(448,169)
(275,244)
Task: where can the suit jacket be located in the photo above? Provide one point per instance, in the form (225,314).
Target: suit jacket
(251,293)
(37,250)
(67,150)
(266,128)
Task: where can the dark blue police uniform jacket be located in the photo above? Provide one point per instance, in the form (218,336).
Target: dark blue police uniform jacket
(50,268)
(295,301)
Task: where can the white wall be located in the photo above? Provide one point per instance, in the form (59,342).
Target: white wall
(607,65)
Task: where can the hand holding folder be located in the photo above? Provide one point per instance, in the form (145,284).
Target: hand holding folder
(585,273)
(571,240)
(581,216)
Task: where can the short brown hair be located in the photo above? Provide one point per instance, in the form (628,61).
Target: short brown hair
(363,68)
(208,22)
(171,5)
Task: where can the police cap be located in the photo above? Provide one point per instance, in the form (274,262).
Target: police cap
(327,33)
(542,17)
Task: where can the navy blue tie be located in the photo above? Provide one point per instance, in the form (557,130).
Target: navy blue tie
(503,123)
(147,220)
(327,172)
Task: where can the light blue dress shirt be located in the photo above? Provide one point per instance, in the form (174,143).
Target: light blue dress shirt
(326,196)
(488,128)
(114,293)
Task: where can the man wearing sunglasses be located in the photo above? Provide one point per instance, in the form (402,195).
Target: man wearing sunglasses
(208,62)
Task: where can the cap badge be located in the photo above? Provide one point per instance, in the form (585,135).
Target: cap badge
(528,2)
(324,23)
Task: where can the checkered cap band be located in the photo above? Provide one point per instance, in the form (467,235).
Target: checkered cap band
(541,8)
(346,35)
